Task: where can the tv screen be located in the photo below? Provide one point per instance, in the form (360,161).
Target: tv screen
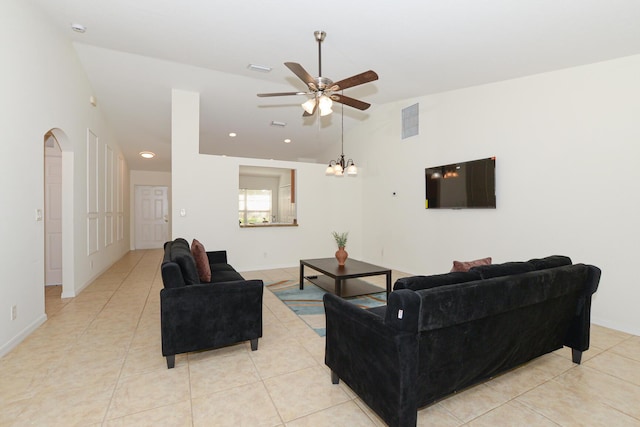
(469,184)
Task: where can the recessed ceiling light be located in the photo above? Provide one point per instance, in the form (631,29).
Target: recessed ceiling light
(78,28)
(261,68)
(287,141)
(233,134)
(147,154)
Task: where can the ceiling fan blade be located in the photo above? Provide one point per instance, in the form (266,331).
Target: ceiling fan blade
(302,74)
(351,102)
(262,95)
(358,79)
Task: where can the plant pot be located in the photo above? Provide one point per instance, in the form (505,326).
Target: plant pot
(341,256)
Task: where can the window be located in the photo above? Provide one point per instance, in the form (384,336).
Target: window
(255,206)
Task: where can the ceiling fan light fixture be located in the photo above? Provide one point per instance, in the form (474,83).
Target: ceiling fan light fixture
(324,104)
(309,105)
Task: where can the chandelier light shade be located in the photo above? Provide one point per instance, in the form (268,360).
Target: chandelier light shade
(339,166)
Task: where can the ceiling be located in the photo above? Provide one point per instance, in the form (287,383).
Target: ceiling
(135,52)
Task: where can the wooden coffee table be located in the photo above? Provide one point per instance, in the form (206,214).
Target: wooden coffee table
(343,281)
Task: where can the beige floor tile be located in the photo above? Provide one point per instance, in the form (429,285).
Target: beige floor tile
(519,381)
(71,407)
(345,414)
(473,402)
(600,386)
(606,338)
(629,348)
(249,405)
(147,359)
(568,406)
(176,415)
(304,392)
(285,356)
(150,390)
(222,373)
(511,414)
(435,415)
(617,365)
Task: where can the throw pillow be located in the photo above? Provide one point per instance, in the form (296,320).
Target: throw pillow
(466,265)
(202,261)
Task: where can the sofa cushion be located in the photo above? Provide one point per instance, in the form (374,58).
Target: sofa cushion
(550,262)
(426,282)
(466,265)
(181,255)
(225,276)
(505,269)
(220,266)
(201,260)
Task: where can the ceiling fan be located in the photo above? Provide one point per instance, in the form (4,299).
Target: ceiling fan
(322,90)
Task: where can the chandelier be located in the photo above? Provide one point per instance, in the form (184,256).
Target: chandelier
(339,166)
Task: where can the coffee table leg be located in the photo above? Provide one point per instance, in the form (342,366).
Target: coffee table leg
(301,276)
(339,287)
(388,283)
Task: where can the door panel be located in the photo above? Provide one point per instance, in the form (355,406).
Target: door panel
(151,216)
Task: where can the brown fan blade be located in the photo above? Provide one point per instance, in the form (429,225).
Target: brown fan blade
(302,74)
(358,79)
(351,102)
(262,95)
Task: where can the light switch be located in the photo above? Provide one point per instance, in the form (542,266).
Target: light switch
(38,214)
(183,212)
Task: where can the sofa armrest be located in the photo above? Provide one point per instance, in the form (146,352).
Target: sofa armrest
(207,315)
(378,362)
(217,257)
(580,328)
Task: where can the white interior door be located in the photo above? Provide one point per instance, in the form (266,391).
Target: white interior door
(151,216)
(53,215)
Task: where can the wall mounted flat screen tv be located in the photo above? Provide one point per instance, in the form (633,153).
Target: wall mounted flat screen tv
(463,185)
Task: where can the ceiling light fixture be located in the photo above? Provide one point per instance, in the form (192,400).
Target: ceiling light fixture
(340,166)
(78,28)
(261,68)
(147,154)
(233,134)
(287,141)
(324,104)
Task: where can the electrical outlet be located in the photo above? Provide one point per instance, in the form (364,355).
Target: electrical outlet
(14,312)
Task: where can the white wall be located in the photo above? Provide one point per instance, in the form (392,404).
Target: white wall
(567,145)
(43,87)
(206,186)
(162,179)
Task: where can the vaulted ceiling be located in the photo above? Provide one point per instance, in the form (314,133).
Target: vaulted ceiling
(135,52)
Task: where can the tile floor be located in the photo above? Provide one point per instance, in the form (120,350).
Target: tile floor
(97,362)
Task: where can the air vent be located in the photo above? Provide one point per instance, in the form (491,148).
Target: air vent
(410,121)
(279,124)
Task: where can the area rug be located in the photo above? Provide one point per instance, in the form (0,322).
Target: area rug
(307,303)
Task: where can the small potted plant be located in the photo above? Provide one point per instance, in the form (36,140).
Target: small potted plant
(341,241)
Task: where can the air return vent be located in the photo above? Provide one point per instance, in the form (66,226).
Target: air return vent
(410,121)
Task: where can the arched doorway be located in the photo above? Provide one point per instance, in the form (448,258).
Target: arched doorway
(58,211)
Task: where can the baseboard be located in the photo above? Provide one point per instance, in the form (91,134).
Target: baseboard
(13,342)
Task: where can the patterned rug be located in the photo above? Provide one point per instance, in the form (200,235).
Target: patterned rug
(307,303)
